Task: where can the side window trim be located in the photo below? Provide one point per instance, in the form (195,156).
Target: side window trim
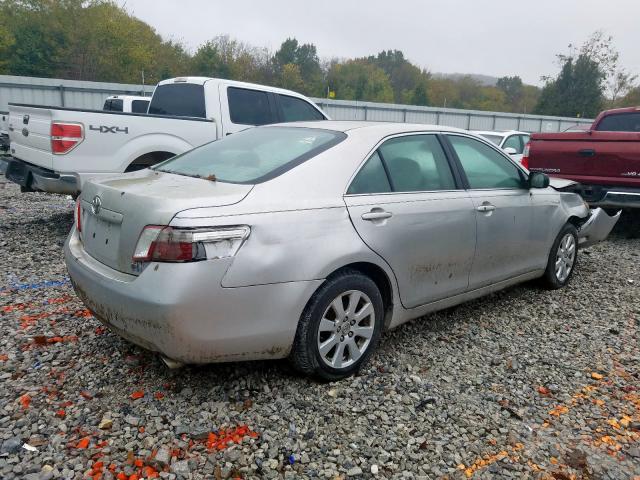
(454,156)
(454,164)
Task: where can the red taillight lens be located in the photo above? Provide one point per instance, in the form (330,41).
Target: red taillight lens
(65,137)
(78,215)
(165,244)
(158,243)
(525,156)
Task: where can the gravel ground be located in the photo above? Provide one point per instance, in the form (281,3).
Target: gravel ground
(522,384)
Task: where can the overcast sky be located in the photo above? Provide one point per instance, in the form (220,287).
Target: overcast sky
(492,37)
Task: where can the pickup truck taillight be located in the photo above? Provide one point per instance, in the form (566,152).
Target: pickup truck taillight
(158,243)
(525,156)
(65,137)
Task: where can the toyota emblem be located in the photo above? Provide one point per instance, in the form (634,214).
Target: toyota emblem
(96,205)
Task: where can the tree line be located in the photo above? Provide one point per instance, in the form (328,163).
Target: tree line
(98,40)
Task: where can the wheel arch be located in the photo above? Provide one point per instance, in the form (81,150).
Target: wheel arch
(379,277)
(148,159)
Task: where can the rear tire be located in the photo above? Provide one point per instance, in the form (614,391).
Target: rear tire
(339,328)
(563,258)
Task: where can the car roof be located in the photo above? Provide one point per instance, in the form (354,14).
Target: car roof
(500,133)
(231,83)
(381,127)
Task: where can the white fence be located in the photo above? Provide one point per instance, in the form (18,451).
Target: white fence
(91,95)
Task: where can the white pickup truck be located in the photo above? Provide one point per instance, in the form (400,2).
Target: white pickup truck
(57,149)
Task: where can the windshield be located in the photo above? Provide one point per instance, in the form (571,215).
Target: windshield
(493,138)
(254,155)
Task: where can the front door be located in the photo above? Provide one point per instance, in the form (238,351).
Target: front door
(503,212)
(409,209)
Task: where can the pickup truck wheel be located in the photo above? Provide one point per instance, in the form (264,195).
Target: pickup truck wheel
(563,258)
(339,328)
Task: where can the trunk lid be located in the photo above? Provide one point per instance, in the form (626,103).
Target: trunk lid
(130,202)
(30,134)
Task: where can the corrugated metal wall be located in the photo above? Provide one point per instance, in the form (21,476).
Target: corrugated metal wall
(466,119)
(91,95)
(62,93)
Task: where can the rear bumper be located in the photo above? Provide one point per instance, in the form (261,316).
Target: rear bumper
(620,198)
(596,228)
(183,312)
(607,196)
(33,178)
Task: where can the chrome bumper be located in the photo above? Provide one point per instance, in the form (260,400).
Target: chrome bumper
(620,199)
(597,227)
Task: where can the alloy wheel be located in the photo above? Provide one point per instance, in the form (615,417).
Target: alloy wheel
(565,257)
(346,329)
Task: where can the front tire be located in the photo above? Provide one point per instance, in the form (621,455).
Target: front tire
(339,328)
(563,258)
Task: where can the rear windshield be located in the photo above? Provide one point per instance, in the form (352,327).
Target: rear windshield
(621,122)
(496,139)
(253,156)
(178,100)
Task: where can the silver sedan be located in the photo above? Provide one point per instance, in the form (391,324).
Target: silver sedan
(309,240)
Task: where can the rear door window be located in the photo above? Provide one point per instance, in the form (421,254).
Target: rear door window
(371,178)
(249,107)
(417,163)
(178,100)
(139,106)
(621,122)
(298,110)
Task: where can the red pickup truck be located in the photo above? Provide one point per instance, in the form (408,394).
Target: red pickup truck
(604,160)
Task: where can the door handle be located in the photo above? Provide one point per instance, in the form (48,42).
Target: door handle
(376,215)
(486,208)
(587,152)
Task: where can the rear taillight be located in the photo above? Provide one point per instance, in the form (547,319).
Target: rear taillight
(525,156)
(78,215)
(168,244)
(65,137)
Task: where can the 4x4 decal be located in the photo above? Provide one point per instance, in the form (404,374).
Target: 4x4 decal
(105,129)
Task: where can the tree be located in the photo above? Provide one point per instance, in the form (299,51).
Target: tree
(208,62)
(578,91)
(360,80)
(587,77)
(290,77)
(305,57)
(407,80)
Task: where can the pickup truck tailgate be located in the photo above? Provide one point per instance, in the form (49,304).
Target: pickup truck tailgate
(604,158)
(30,134)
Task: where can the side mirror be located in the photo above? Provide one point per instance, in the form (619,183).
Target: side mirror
(538,180)
(510,151)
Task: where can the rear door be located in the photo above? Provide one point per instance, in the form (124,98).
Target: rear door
(407,205)
(503,212)
(244,108)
